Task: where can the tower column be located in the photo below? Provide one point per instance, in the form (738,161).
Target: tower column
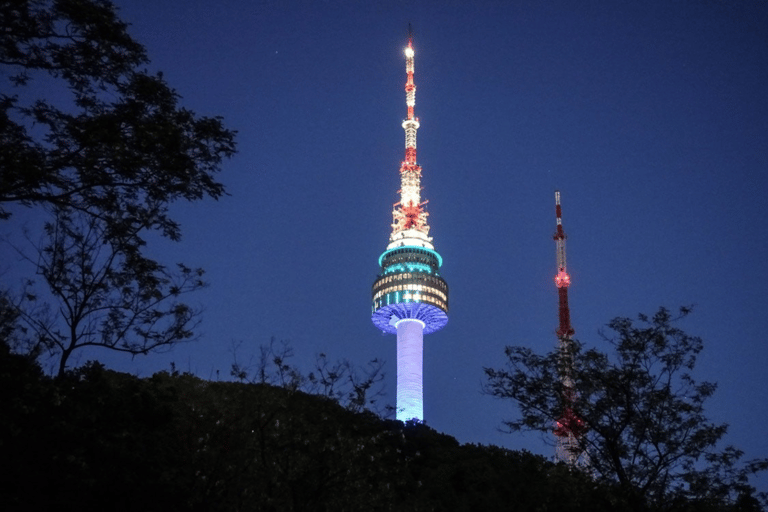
(410,366)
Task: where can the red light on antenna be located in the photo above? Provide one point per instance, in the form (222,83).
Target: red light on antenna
(562,279)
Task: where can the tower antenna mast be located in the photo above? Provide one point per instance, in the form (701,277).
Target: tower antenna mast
(569,427)
(562,280)
(410,298)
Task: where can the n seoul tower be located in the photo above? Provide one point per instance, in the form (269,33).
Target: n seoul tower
(410,298)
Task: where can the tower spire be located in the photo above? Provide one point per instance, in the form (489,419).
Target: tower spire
(562,280)
(569,426)
(409,219)
(410,298)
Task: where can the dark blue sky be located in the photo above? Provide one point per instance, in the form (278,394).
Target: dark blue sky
(650,117)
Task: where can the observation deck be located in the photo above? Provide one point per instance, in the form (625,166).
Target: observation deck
(410,286)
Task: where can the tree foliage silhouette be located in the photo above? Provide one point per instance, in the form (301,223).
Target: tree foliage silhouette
(96,439)
(356,388)
(646,427)
(117,147)
(104,151)
(108,296)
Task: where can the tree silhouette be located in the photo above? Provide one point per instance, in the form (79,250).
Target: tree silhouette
(104,151)
(106,294)
(643,411)
(117,146)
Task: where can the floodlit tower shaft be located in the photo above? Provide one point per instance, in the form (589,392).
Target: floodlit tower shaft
(410,298)
(569,426)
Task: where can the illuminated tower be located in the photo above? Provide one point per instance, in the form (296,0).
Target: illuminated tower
(569,427)
(410,298)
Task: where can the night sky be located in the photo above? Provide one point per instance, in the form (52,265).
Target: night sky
(651,118)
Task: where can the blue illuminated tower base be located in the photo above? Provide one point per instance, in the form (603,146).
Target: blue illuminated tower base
(410,299)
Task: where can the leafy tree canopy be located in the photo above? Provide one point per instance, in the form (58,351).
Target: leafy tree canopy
(646,427)
(118,147)
(98,142)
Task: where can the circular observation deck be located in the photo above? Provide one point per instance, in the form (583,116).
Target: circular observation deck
(410,286)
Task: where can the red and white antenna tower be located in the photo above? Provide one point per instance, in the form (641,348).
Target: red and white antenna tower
(569,427)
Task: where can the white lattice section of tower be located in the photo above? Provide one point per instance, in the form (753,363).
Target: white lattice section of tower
(568,450)
(410,188)
(423,226)
(410,126)
(409,59)
(560,239)
(410,238)
(410,394)
(560,249)
(410,96)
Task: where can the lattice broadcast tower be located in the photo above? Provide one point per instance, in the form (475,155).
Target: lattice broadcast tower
(569,427)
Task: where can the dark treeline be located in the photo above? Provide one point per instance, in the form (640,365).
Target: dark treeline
(96,439)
